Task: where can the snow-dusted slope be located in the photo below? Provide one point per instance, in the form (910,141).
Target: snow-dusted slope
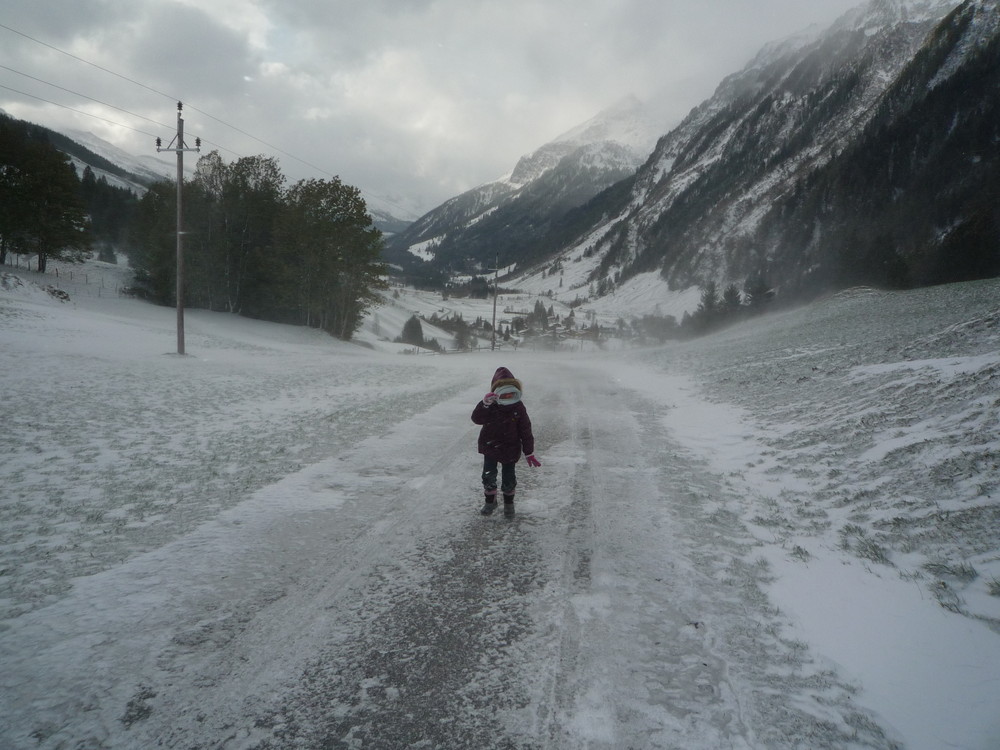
(539,190)
(815,164)
(626,124)
(786,114)
(151,167)
(873,17)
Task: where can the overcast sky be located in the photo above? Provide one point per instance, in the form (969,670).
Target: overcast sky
(414,101)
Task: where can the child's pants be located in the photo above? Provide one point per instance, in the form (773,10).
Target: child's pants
(508,479)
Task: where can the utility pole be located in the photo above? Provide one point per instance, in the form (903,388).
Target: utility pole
(177,145)
(496,292)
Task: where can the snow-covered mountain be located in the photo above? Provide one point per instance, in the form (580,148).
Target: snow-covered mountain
(147,169)
(859,154)
(878,15)
(512,216)
(119,168)
(389,218)
(621,133)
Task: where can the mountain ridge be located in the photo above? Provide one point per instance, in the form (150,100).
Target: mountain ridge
(764,177)
(510,217)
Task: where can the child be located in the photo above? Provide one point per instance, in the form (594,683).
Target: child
(505,435)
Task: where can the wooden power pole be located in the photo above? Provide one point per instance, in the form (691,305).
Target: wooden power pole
(177,145)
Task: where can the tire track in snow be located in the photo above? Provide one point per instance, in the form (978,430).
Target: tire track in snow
(282,568)
(631,669)
(441,645)
(617,610)
(430,654)
(667,638)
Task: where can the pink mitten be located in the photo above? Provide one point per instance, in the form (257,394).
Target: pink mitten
(532,461)
(489,398)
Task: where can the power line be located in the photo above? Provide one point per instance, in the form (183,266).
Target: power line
(262,142)
(98,117)
(87,62)
(98,101)
(77,93)
(159,93)
(78,111)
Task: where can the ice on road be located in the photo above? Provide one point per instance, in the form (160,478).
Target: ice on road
(307,567)
(363,602)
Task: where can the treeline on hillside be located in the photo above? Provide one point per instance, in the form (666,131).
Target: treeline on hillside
(46,209)
(111,211)
(307,255)
(717,310)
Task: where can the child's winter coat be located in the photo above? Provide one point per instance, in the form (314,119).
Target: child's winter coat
(506,432)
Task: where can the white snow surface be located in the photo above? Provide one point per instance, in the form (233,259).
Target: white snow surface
(784,535)
(628,121)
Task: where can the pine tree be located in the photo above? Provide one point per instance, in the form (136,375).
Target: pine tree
(42,212)
(413,332)
(328,241)
(731,301)
(153,253)
(757,291)
(463,335)
(709,304)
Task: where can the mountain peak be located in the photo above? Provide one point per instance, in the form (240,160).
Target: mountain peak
(627,121)
(878,14)
(514,214)
(627,124)
(815,164)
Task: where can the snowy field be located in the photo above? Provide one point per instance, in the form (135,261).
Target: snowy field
(786,535)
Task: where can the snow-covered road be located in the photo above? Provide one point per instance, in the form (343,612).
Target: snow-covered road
(363,602)
(324,579)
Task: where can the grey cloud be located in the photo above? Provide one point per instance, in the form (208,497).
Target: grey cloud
(60,20)
(188,51)
(426,97)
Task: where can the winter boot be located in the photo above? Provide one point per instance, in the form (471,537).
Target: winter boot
(508,505)
(491,503)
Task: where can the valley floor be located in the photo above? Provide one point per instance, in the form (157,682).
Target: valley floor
(275,542)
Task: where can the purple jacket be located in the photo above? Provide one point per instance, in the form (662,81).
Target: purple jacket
(506,431)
